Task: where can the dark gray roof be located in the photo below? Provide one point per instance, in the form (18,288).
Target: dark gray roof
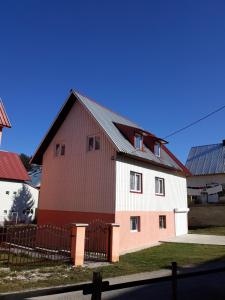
(204,160)
(106,119)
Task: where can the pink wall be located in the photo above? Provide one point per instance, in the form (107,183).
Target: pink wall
(149,233)
(80,181)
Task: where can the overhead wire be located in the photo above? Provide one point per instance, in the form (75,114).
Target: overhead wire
(195,122)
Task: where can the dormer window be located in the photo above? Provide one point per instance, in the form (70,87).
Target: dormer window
(138,141)
(157,149)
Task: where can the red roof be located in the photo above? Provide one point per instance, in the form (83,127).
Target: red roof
(4,120)
(11,167)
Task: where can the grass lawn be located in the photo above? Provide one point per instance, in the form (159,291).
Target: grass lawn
(209,230)
(143,261)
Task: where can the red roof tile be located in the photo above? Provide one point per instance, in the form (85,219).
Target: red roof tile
(4,120)
(11,167)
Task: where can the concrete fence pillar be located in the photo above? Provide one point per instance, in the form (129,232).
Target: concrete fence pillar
(78,243)
(115,243)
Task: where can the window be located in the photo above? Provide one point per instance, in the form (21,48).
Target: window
(138,141)
(134,224)
(63,149)
(93,143)
(5,212)
(7,192)
(157,149)
(135,182)
(162,222)
(159,186)
(60,149)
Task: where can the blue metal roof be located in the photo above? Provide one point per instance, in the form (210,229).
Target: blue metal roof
(205,160)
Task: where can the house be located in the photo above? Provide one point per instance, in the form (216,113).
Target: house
(4,120)
(206,186)
(18,200)
(97,164)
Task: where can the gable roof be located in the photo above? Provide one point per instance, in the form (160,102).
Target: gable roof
(205,160)
(11,167)
(4,120)
(109,122)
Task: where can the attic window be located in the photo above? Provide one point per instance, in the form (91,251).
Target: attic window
(157,149)
(138,141)
(60,149)
(93,143)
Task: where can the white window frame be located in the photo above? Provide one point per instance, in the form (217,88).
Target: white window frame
(135,187)
(95,138)
(162,220)
(141,141)
(157,150)
(158,181)
(136,219)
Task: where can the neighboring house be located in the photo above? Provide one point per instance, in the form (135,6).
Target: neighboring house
(4,120)
(35,175)
(207,166)
(97,164)
(18,200)
(206,186)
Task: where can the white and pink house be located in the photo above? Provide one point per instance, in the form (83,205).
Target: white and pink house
(97,164)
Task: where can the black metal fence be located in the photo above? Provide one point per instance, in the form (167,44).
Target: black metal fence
(97,241)
(34,244)
(97,287)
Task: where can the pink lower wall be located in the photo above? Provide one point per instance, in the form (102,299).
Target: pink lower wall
(149,233)
(59,217)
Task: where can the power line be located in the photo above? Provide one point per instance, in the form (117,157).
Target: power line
(195,122)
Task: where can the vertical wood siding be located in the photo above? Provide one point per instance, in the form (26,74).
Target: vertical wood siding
(175,188)
(80,180)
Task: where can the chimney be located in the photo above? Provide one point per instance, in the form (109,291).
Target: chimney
(223,142)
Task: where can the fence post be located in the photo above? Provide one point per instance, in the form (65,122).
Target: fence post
(97,286)
(78,243)
(114,243)
(174,280)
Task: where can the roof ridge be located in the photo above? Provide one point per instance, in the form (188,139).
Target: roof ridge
(206,145)
(106,108)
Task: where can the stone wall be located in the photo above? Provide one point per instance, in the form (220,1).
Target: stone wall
(206,215)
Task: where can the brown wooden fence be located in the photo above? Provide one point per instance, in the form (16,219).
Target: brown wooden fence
(97,241)
(34,244)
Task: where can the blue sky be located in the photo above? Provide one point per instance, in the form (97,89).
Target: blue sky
(160,63)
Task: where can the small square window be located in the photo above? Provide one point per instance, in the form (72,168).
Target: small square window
(93,143)
(159,186)
(5,212)
(7,192)
(134,224)
(162,222)
(135,182)
(138,141)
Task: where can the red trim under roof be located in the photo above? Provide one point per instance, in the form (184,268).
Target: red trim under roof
(185,170)
(4,120)
(12,168)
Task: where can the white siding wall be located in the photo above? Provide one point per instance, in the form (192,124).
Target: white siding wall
(197,181)
(175,189)
(6,200)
